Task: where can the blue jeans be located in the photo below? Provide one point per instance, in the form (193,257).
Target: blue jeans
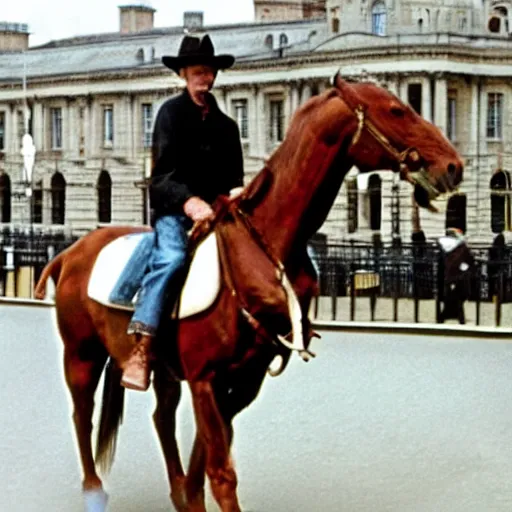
(168,258)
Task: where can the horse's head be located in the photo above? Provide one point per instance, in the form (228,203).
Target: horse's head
(390,135)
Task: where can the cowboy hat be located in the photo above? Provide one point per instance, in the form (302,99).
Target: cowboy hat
(197,51)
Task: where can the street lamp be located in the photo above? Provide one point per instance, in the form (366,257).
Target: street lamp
(28,151)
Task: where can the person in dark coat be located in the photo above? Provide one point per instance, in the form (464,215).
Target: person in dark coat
(459,266)
(196,156)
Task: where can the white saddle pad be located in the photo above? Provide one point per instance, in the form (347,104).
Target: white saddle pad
(201,286)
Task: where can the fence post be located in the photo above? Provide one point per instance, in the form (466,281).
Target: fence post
(352,295)
(396,289)
(478,282)
(415,296)
(440,287)
(499,299)
(334,291)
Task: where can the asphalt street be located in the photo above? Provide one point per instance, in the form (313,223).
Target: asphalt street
(375,423)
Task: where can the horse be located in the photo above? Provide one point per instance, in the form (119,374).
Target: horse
(224,352)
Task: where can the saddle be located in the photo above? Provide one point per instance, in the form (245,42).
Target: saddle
(120,266)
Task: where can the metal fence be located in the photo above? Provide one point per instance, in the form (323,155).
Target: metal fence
(23,254)
(413,271)
(349,271)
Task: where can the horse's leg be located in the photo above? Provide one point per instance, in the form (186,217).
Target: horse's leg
(212,431)
(232,397)
(196,476)
(83,365)
(168,394)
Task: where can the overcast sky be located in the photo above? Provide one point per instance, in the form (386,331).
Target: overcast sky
(56,19)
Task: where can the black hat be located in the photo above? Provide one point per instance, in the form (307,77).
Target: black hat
(197,51)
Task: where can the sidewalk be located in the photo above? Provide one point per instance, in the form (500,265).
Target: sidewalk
(384,311)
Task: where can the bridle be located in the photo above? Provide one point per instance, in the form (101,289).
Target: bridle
(409,160)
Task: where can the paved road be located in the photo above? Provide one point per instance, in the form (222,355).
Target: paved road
(373,424)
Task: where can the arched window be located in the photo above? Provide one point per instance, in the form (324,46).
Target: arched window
(494,24)
(58,186)
(269,41)
(37,202)
(352,205)
(500,201)
(104,187)
(379,18)
(456,212)
(375,200)
(5,198)
(283,40)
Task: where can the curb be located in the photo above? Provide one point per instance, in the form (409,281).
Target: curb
(477,331)
(11,301)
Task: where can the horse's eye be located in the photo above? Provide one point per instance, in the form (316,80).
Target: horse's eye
(397,111)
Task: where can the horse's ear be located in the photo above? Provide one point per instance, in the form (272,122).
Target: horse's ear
(337,81)
(348,92)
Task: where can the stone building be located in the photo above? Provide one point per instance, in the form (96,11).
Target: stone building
(90,102)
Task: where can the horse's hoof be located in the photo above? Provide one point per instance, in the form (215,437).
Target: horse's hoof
(95,500)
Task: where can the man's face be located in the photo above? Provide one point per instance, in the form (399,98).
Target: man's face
(199,80)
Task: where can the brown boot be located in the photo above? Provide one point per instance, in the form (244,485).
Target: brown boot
(137,368)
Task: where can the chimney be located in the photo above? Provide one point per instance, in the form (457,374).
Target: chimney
(193,20)
(13,37)
(135,18)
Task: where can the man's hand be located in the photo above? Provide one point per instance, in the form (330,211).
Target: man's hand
(197,209)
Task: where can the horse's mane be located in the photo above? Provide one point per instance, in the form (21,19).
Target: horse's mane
(257,189)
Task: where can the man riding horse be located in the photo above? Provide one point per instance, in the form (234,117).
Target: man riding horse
(197,156)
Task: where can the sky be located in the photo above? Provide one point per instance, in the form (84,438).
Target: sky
(57,19)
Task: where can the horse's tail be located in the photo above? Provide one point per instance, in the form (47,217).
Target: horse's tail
(111,417)
(52,269)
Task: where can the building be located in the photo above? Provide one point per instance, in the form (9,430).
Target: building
(91,101)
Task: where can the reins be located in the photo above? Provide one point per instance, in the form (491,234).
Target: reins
(297,343)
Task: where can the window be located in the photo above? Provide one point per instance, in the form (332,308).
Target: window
(352,205)
(20,129)
(494,115)
(375,199)
(147,124)
(500,201)
(451,125)
(81,131)
(108,126)
(2,131)
(414,97)
(37,202)
(240,113)
(276,121)
(456,212)
(462,23)
(494,24)
(56,128)
(104,187)
(379,19)
(58,185)
(283,40)
(5,198)
(335,25)
(269,41)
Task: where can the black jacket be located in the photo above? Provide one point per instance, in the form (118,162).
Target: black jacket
(192,156)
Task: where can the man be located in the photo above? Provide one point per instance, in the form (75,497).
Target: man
(197,156)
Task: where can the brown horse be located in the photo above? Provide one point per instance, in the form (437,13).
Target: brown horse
(224,353)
